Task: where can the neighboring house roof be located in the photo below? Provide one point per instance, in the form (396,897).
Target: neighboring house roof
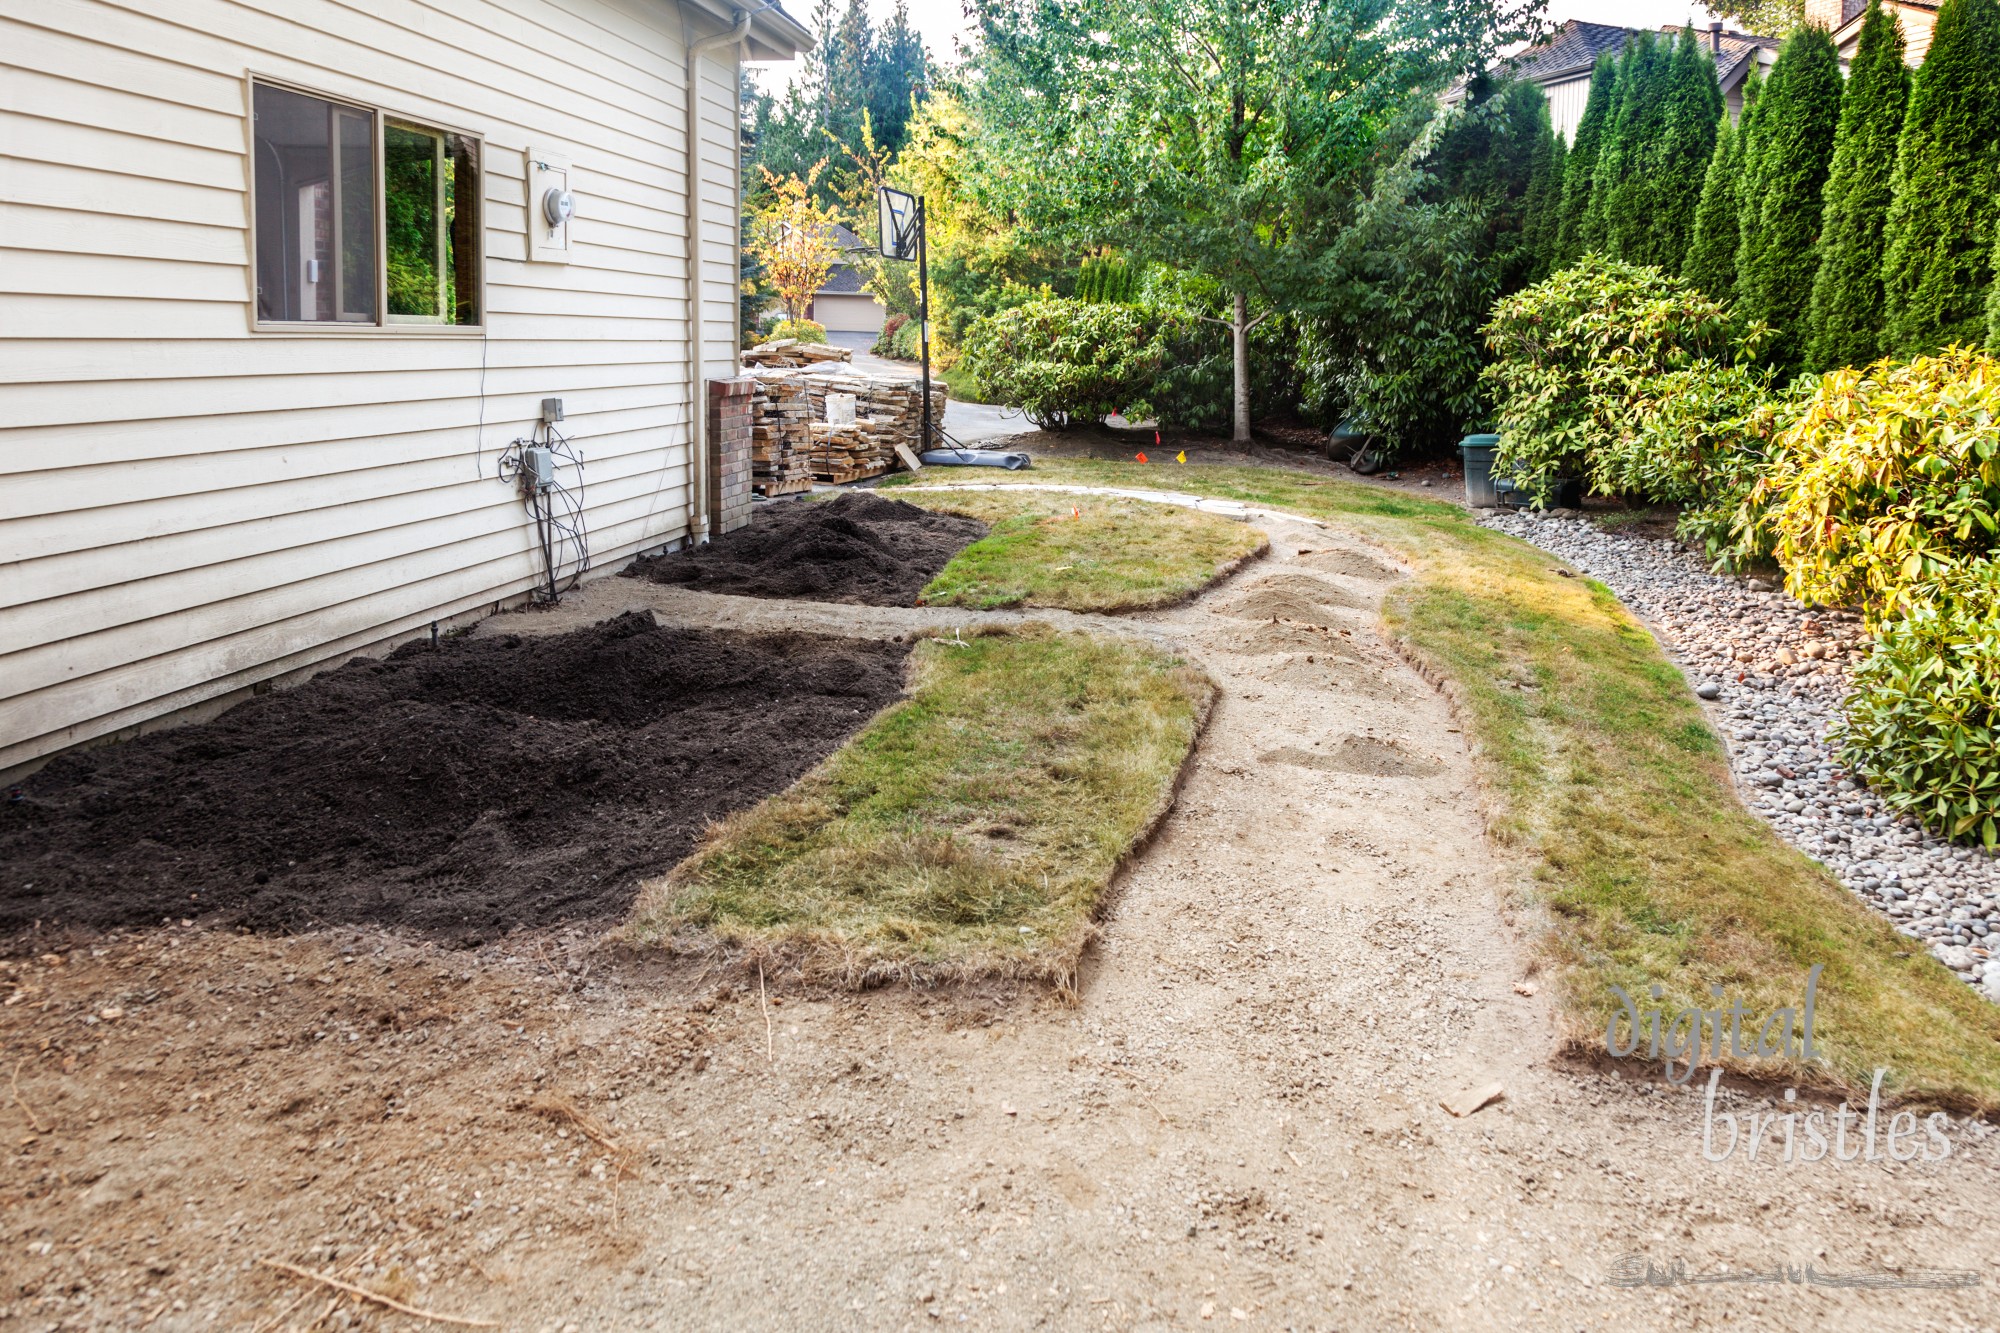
(1572,50)
(843,281)
(1574,46)
(846,239)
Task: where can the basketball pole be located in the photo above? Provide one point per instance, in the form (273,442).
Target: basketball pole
(924,315)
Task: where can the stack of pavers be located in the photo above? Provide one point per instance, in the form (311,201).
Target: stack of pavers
(791,354)
(793,442)
(780,417)
(887,412)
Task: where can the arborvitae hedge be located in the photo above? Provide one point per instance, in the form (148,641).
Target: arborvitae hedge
(1545,189)
(1845,324)
(1799,116)
(1581,165)
(1711,257)
(1678,159)
(1748,194)
(1621,190)
(1938,263)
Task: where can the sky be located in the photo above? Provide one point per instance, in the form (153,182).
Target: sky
(942,23)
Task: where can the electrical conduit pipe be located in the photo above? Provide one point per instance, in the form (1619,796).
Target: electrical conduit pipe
(697,387)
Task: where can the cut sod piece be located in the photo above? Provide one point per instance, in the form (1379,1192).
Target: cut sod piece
(970,830)
(1607,779)
(1083,553)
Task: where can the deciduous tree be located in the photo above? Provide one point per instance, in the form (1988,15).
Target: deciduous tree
(793,240)
(1227,137)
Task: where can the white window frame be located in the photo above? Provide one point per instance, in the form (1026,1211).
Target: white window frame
(384,323)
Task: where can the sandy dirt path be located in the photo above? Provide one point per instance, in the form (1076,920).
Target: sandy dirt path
(1238,1121)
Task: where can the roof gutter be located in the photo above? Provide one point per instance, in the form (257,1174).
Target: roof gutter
(697,389)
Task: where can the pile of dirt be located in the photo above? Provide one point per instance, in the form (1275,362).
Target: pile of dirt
(463,791)
(858,547)
(1290,597)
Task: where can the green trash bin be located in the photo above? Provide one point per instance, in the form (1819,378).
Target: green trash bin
(1477,452)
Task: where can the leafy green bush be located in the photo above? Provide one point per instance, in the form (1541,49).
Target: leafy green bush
(1062,361)
(908,342)
(1923,721)
(885,341)
(1889,480)
(1573,358)
(805,330)
(1700,438)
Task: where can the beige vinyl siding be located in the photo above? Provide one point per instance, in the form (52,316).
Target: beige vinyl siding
(1566,103)
(192,508)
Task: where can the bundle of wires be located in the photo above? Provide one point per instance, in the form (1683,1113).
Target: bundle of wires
(556,508)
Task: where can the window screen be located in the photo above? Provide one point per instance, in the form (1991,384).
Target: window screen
(315,209)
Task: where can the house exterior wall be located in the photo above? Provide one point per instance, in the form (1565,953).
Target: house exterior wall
(1566,102)
(848,312)
(1917,24)
(192,507)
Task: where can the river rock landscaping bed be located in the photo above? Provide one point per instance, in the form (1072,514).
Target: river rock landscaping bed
(1775,672)
(463,790)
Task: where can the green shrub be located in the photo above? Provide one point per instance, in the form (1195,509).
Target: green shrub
(908,342)
(1573,357)
(1889,480)
(1923,720)
(1700,438)
(805,330)
(885,340)
(1062,361)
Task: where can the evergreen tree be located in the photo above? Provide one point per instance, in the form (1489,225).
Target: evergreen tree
(1544,206)
(1581,166)
(1488,158)
(1679,157)
(1938,262)
(1799,117)
(1749,191)
(1711,257)
(1845,324)
(856,73)
(1621,194)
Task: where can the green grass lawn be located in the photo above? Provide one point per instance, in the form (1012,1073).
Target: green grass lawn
(970,830)
(1641,864)
(1090,553)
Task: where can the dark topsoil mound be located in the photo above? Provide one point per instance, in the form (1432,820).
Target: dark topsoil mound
(485,785)
(858,547)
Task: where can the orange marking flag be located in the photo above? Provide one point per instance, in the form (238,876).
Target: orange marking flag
(1140,456)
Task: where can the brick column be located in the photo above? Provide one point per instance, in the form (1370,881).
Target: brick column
(728,454)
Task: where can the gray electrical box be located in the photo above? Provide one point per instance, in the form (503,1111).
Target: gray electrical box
(539,466)
(551,411)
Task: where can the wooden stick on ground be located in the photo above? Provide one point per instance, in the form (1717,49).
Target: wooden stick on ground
(15,1079)
(769,1054)
(376,1296)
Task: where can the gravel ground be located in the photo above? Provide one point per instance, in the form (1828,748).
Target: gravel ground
(1775,672)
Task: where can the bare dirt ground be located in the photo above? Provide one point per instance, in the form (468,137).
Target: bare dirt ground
(1237,1123)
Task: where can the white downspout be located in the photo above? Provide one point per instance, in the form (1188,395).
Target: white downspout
(697,389)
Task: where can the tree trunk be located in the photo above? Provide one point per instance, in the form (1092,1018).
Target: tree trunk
(1240,336)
